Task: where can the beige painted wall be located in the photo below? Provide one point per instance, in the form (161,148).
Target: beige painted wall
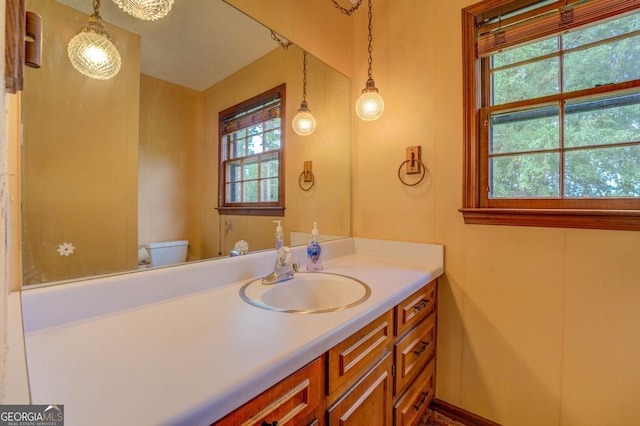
(536,326)
(167,185)
(328,148)
(314,25)
(80,157)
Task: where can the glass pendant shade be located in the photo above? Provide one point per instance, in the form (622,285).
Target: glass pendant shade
(147,10)
(92,53)
(303,123)
(370,105)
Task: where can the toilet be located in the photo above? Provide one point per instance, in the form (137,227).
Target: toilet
(162,253)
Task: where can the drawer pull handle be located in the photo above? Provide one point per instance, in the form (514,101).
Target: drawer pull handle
(420,403)
(274,423)
(424,303)
(422,348)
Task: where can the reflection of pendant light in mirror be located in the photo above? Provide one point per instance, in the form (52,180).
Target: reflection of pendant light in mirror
(370,104)
(91,51)
(303,123)
(147,10)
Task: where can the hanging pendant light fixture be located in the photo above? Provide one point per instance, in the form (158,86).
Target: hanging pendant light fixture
(303,123)
(91,51)
(147,10)
(370,104)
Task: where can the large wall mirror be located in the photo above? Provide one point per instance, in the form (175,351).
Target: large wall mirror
(107,165)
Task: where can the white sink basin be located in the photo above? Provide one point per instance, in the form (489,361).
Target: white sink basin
(307,292)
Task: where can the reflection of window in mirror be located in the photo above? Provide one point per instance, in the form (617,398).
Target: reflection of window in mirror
(251,150)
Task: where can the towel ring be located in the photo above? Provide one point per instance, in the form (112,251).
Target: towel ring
(424,172)
(300,180)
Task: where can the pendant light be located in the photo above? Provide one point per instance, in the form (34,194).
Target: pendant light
(303,123)
(370,104)
(147,10)
(91,51)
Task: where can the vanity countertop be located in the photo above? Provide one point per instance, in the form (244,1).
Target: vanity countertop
(191,358)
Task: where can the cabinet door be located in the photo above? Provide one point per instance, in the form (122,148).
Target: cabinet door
(413,351)
(292,401)
(351,358)
(415,308)
(368,402)
(411,406)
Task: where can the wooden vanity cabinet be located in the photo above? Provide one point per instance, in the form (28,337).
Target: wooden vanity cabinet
(411,405)
(382,375)
(415,355)
(413,351)
(415,308)
(360,376)
(359,394)
(368,402)
(296,400)
(349,360)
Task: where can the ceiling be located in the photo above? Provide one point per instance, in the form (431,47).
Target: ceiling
(199,42)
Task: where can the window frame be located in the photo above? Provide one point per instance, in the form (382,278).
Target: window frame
(595,214)
(256,208)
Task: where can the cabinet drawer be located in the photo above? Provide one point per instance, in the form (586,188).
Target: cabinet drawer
(368,402)
(293,400)
(411,406)
(349,359)
(413,351)
(415,308)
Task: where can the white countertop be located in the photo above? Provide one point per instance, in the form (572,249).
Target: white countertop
(192,358)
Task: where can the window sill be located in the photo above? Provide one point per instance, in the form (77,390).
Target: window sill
(252,211)
(628,220)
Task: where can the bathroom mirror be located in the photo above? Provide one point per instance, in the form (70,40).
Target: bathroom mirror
(109,164)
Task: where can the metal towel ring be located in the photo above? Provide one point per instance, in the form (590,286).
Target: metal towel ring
(424,172)
(313,181)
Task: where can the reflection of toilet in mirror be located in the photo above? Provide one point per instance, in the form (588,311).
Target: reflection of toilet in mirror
(162,253)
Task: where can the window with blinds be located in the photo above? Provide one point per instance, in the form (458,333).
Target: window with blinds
(251,152)
(552,113)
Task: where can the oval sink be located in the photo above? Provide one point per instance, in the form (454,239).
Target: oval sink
(307,292)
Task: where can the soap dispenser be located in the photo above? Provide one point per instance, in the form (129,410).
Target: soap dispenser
(279,234)
(314,251)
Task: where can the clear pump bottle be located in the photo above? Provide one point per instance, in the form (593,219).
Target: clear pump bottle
(279,234)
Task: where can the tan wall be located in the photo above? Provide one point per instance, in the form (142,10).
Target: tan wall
(78,127)
(536,326)
(169,133)
(314,25)
(328,149)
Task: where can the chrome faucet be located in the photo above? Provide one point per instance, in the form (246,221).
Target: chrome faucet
(284,268)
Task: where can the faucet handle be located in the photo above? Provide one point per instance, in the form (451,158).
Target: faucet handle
(284,256)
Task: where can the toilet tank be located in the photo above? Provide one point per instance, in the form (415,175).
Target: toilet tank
(164,253)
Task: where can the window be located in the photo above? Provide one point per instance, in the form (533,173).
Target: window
(552,113)
(251,180)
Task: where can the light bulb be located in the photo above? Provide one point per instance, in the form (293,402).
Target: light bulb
(370,105)
(303,123)
(147,10)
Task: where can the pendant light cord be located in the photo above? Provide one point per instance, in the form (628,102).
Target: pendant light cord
(345,10)
(370,40)
(284,45)
(304,76)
